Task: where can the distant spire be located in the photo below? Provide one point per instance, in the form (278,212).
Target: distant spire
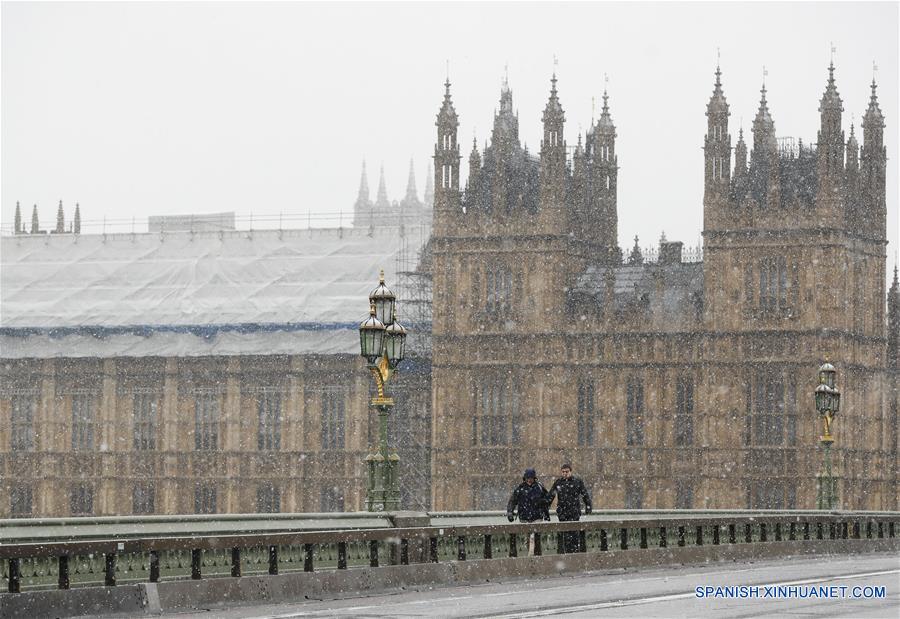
(76,220)
(363,195)
(18,220)
(35,224)
(60,219)
(411,193)
(381,200)
(636,257)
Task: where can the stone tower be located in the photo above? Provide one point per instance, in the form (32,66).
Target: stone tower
(786,274)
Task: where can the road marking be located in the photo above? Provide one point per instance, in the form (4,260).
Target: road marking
(674,596)
(568,609)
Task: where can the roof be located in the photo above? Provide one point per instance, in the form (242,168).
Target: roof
(670,292)
(191,294)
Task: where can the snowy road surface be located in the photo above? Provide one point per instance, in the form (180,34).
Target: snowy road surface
(634,593)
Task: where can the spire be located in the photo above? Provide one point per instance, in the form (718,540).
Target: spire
(740,155)
(830,108)
(76,221)
(35,224)
(447,113)
(852,150)
(411,193)
(506,124)
(17,224)
(605,118)
(636,257)
(873,117)
(717,102)
(831,100)
(363,196)
(763,125)
(553,108)
(381,200)
(60,219)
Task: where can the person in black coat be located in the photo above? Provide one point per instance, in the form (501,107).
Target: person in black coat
(569,491)
(529,500)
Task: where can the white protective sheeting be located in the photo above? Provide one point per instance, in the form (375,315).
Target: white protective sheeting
(189,294)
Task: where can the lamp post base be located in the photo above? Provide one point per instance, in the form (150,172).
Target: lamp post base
(826,483)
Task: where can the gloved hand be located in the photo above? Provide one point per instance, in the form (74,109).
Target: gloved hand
(587,511)
(510,517)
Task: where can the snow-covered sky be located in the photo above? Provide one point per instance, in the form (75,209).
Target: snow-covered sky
(137,109)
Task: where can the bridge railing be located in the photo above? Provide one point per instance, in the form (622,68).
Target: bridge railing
(36,564)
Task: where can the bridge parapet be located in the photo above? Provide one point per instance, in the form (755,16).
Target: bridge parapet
(368,551)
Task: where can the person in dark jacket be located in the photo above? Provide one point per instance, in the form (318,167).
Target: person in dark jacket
(529,500)
(569,491)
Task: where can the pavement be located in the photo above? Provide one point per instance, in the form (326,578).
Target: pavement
(646,592)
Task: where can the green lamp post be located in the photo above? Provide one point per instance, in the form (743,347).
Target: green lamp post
(382,340)
(828,403)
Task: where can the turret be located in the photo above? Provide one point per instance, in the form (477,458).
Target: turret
(830,152)
(763,172)
(17,223)
(604,174)
(872,169)
(717,145)
(362,208)
(739,178)
(35,223)
(579,176)
(412,196)
(76,220)
(852,153)
(60,220)
(474,167)
(446,166)
(505,133)
(851,181)
(382,203)
(553,151)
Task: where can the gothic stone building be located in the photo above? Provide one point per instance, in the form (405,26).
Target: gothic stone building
(669,384)
(217,371)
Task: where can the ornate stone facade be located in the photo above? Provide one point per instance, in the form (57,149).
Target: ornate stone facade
(667,384)
(200,435)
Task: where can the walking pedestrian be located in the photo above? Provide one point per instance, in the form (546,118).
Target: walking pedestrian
(569,492)
(530,502)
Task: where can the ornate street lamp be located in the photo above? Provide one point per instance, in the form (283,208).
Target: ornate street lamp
(828,403)
(382,342)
